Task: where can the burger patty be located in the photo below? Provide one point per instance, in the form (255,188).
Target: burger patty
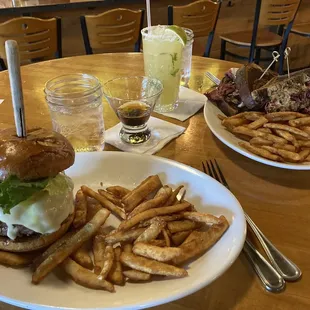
(22,231)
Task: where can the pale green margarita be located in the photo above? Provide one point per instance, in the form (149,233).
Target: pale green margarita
(162,49)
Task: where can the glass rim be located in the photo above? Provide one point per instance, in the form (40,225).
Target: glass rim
(75,94)
(131,78)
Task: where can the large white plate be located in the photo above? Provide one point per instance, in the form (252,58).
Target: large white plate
(111,168)
(210,113)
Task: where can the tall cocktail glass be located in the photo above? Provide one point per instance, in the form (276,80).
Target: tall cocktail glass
(162,51)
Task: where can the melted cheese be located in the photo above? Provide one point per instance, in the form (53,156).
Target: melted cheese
(45,211)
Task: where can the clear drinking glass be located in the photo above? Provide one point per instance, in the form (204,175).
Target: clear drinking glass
(75,104)
(133,100)
(187,57)
(163,60)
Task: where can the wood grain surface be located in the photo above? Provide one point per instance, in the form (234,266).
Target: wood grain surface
(276,199)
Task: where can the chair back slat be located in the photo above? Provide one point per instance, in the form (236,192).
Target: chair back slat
(114,29)
(36,38)
(278,12)
(199,16)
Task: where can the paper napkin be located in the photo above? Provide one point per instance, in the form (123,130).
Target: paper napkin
(190,102)
(162,133)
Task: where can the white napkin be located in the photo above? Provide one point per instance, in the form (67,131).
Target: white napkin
(190,102)
(162,133)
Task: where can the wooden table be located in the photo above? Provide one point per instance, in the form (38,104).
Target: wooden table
(277,200)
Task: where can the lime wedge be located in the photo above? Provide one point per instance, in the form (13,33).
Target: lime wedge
(178,32)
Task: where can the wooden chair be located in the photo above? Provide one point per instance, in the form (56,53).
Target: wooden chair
(200,16)
(38,39)
(272,13)
(302,30)
(111,30)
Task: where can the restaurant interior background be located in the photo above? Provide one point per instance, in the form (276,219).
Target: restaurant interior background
(235,15)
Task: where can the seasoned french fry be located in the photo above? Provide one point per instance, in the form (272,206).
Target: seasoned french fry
(159,200)
(300,121)
(252,116)
(82,257)
(127,224)
(230,123)
(259,151)
(201,243)
(157,242)
(206,218)
(136,275)
(127,247)
(291,156)
(255,133)
(165,218)
(16,260)
(147,187)
(116,272)
(257,141)
(304,154)
(154,252)
(179,237)
(287,147)
(266,130)
(124,236)
(70,246)
(283,116)
(166,237)
(286,135)
(98,252)
(110,197)
(151,266)
(51,249)
(173,196)
(221,117)
(104,202)
(258,123)
(118,191)
(152,231)
(305,129)
(290,129)
(178,226)
(80,210)
(108,258)
(105,230)
(92,209)
(85,277)
(304,143)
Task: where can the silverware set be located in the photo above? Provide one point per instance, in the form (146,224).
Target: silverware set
(280,269)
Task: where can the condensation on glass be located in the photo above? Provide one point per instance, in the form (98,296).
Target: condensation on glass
(75,104)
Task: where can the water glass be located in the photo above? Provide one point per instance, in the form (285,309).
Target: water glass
(187,57)
(75,104)
(133,100)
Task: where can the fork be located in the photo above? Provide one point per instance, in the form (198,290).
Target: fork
(213,78)
(269,276)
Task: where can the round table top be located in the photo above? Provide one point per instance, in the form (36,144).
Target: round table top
(276,199)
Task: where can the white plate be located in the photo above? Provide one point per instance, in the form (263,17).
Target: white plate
(210,113)
(112,168)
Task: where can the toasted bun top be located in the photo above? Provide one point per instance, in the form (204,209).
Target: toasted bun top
(41,154)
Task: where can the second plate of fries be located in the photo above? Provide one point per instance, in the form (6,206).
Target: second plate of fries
(146,231)
(280,139)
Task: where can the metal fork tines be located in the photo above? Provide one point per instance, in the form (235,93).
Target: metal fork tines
(213,78)
(271,279)
(285,267)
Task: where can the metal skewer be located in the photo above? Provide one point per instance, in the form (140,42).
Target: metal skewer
(12,54)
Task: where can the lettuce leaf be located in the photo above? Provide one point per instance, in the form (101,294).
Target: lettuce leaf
(13,191)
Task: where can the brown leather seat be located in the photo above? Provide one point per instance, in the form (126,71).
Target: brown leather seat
(264,38)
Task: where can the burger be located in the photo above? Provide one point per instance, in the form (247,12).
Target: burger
(36,197)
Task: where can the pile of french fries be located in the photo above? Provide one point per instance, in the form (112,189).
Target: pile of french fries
(158,233)
(278,136)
